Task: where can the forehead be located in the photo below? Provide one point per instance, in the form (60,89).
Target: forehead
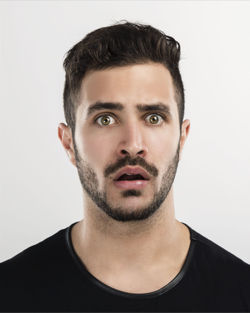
(130,85)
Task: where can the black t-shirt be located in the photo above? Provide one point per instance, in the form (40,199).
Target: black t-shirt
(50,277)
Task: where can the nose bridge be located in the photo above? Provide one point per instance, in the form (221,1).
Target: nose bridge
(132,138)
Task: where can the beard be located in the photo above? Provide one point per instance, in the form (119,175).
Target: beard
(90,184)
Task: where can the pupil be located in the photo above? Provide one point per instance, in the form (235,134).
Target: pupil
(154,119)
(105,119)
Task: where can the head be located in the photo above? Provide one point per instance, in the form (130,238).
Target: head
(124,105)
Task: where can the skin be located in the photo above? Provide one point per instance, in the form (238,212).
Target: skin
(128,239)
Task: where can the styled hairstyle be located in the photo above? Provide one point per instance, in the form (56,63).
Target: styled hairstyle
(120,44)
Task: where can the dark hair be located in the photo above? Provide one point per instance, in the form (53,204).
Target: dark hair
(119,45)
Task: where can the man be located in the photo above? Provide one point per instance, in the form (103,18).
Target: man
(124,108)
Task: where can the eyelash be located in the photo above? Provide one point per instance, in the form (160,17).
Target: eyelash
(109,114)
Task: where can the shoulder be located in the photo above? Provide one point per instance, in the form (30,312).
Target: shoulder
(219,265)
(215,271)
(34,262)
(37,277)
(216,254)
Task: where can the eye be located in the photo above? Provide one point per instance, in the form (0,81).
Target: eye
(105,119)
(154,118)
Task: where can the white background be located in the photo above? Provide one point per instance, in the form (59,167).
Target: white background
(40,189)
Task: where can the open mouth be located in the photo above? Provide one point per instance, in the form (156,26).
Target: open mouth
(135,181)
(133,177)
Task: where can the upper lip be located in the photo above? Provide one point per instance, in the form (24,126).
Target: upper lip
(132,170)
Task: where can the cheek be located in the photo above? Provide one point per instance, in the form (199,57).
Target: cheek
(95,149)
(164,147)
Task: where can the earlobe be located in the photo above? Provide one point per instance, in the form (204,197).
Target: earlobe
(65,136)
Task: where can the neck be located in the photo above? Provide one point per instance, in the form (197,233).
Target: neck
(107,245)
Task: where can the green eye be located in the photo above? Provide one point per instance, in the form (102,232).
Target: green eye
(154,118)
(105,119)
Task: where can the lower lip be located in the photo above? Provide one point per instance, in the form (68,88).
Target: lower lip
(130,184)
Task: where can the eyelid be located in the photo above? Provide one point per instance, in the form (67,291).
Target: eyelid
(162,115)
(103,114)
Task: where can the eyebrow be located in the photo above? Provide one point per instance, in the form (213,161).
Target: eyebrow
(158,106)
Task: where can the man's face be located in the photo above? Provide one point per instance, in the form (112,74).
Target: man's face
(109,139)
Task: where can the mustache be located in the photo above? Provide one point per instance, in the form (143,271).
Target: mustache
(133,162)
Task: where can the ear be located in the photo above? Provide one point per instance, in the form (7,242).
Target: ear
(184,133)
(65,136)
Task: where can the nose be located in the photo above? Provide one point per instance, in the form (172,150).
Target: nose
(131,142)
